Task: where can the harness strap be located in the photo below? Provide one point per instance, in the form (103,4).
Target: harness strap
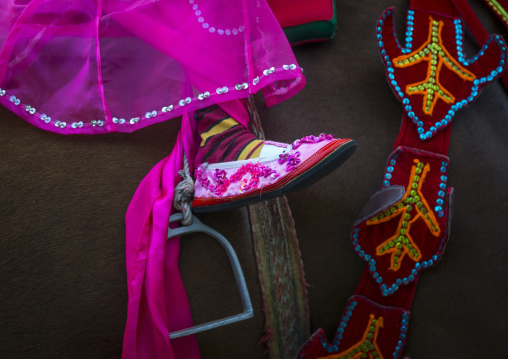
(401,234)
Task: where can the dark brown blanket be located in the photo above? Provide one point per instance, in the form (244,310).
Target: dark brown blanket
(63,199)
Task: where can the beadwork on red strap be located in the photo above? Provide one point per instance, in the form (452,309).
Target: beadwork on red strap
(400,235)
(437,73)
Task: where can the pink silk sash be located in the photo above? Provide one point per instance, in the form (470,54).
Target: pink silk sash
(98,66)
(157,299)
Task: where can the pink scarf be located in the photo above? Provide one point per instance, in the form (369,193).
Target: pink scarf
(157,299)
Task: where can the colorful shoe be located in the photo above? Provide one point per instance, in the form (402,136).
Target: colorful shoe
(280,169)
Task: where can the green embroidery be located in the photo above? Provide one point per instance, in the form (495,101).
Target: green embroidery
(410,208)
(434,52)
(367,347)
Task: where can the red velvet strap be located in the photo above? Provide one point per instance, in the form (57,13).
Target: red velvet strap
(401,235)
(499,7)
(298,12)
(476,27)
(472,21)
(408,137)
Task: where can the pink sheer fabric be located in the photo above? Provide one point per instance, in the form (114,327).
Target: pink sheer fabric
(157,300)
(97,66)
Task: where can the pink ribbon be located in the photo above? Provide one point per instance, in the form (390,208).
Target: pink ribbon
(157,300)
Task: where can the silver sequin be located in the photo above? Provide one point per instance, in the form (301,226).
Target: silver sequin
(119,120)
(60,124)
(151,114)
(15,100)
(30,109)
(222,90)
(45,118)
(243,86)
(269,71)
(203,95)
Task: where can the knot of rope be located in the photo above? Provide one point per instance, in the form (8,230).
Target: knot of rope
(184,193)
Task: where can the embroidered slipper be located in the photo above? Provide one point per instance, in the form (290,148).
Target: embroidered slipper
(280,169)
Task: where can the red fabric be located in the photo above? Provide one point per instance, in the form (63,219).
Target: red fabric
(157,300)
(430,244)
(400,241)
(461,89)
(476,26)
(408,136)
(224,146)
(360,315)
(298,12)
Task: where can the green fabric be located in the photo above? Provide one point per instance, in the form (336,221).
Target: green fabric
(312,31)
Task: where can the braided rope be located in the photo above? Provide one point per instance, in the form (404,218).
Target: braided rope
(184,193)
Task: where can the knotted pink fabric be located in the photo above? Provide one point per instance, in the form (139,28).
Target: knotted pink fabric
(98,66)
(157,300)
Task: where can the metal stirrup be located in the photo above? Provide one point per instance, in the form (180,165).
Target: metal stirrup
(198,226)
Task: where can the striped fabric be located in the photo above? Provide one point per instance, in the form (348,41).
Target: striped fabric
(223,139)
